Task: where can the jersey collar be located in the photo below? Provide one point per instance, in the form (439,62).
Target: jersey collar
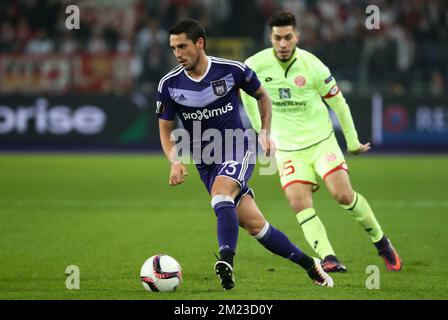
(209,64)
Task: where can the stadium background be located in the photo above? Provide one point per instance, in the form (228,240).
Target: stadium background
(395,77)
(68,92)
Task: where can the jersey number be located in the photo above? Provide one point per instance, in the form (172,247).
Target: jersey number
(287,169)
(230,167)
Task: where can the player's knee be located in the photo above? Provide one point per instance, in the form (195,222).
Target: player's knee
(226,189)
(260,231)
(298,204)
(344,198)
(253,231)
(253,224)
(254,227)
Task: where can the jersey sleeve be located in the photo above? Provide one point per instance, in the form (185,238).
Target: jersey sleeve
(329,90)
(251,107)
(325,83)
(166,109)
(246,79)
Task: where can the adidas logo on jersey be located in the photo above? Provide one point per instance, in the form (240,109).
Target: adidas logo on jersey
(181,98)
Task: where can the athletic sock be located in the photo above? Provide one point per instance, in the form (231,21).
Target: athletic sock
(227,226)
(314,232)
(361,211)
(382,244)
(227,256)
(277,242)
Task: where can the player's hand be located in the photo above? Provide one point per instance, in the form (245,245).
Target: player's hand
(267,143)
(177,174)
(362,149)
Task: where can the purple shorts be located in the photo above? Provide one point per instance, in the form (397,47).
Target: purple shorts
(239,170)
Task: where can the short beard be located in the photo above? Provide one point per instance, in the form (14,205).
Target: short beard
(289,58)
(193,65)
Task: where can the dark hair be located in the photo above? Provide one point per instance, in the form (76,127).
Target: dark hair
(191,28)
(282,19)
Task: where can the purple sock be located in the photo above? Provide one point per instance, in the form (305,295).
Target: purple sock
(277,242)
(227,222)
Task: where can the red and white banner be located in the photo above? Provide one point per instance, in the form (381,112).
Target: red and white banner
(34,73)
(65,73)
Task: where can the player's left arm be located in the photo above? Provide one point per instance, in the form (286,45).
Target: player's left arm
(341,109)
(252,110)
(265,108)
(330,92)
(251,106)
(248,81)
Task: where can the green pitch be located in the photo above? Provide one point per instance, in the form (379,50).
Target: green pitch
(106,214)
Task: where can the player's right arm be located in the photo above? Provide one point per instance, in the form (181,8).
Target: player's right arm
(178,170)
(166,113)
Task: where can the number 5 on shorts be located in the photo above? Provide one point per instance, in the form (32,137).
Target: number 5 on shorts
(288,168)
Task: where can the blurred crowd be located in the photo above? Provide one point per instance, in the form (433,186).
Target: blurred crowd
(407,54)
(38,27)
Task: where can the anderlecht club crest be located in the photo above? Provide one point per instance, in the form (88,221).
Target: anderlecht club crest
(219,87)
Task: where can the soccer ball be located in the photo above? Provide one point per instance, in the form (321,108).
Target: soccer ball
(161,273)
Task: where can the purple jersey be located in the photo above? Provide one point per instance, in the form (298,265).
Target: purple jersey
(213,100)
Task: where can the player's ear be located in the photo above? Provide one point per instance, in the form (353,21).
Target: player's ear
(200,43)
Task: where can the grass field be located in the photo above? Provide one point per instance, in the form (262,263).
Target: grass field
(108,213)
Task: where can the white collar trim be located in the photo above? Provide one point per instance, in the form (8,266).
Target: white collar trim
(205,73)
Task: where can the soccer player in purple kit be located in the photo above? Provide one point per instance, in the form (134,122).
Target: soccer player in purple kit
(204,90)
